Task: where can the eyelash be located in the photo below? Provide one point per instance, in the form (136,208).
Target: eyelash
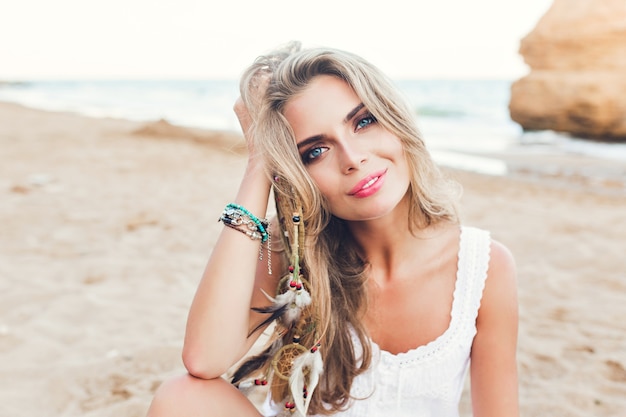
(367,116)
(306,156)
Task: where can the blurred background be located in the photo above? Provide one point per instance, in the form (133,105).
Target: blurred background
(180,61)
(106,222)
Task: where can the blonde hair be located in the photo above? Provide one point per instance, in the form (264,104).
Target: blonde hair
(336,271)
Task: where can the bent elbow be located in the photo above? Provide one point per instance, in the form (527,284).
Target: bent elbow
(199,365)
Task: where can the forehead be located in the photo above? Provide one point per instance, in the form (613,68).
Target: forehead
(325,86)
(325,98)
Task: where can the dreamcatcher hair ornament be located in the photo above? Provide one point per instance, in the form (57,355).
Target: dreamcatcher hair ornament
(292,368)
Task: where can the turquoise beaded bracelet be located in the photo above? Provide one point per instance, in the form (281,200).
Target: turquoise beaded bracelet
(233,211)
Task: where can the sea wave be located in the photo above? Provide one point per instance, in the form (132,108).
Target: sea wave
(455,116)
(444,112)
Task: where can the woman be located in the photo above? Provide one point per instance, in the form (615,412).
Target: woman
(378,297)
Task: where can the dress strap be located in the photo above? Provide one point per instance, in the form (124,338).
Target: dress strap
(474,255)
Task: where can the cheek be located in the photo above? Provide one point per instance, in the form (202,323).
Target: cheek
(329,187)
(399,153)
(399,156)
(397,146)
(322,180)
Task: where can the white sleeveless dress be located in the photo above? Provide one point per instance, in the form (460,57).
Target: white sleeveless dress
(426,381)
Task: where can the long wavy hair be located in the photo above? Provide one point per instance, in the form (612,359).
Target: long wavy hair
(335,270)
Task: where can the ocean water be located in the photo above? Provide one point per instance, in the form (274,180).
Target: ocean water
(465,123)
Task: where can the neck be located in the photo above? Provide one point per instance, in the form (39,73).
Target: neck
(387,243)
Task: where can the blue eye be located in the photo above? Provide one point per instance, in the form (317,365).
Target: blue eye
(313,153)
(365,121)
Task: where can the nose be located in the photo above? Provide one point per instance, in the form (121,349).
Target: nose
(352,157)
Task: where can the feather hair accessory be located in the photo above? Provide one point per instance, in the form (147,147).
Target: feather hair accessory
(299,365)
(292,364)
(256,363)
(305,375)
(287,306)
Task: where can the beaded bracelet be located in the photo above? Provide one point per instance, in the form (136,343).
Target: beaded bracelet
(243,225)
(238,215)
(240,219)
(251,234)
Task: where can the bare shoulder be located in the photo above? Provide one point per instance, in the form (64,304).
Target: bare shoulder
(501,262)
(500,294)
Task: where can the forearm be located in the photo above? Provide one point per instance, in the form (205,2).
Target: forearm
(218,322)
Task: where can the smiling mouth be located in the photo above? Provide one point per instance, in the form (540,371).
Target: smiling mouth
(370,183)
(365,186)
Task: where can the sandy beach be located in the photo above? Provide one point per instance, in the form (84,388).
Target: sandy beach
(106,226)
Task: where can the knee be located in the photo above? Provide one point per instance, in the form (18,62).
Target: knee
(186,395)
(179,393)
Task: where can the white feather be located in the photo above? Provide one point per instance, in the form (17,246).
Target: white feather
(303,298)
(312,362)
(285,298)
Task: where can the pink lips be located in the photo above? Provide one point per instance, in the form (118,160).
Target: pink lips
(368,185)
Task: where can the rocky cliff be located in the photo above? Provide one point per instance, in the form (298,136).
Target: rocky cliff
(577,82)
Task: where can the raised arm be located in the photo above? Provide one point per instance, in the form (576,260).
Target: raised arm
(493,359)
(219,318)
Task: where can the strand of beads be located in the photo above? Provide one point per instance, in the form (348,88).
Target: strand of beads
(240,219)
(236,215)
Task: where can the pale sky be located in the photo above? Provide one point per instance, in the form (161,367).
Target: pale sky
(71,39)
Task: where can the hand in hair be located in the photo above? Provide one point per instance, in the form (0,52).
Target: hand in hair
(243,115)
(252,88)
(247,107)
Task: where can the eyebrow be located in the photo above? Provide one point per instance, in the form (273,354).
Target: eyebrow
(353,112)
(348,117)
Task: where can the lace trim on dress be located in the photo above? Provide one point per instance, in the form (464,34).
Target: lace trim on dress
(472,265)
